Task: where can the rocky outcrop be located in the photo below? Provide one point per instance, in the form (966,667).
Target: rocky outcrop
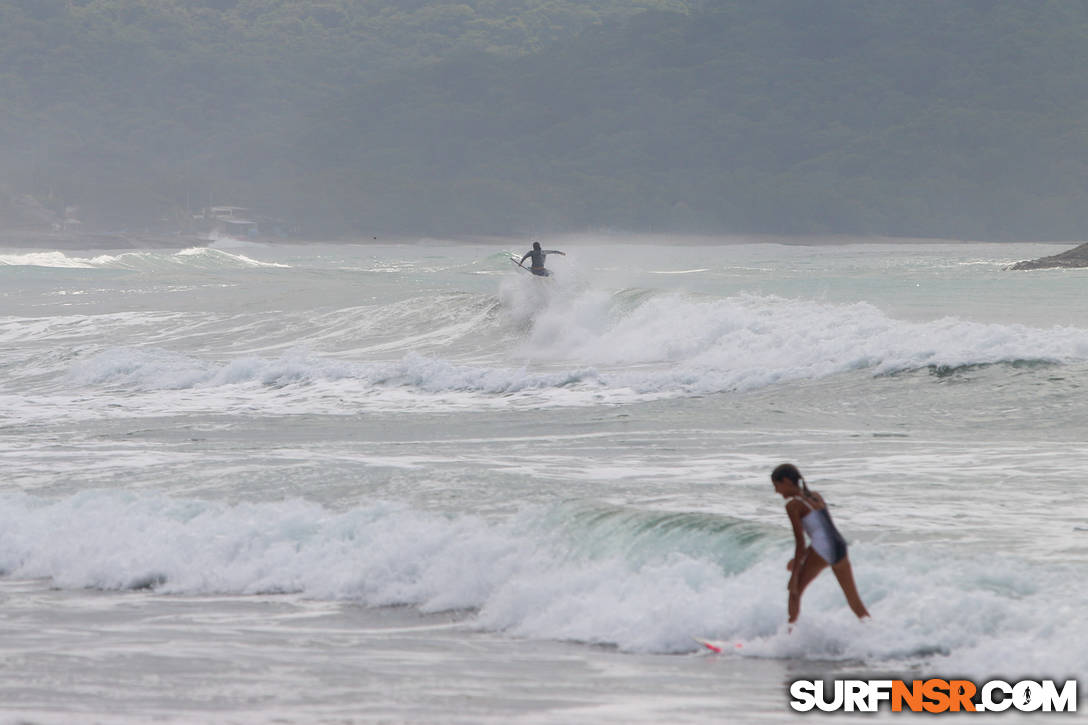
(1075,257)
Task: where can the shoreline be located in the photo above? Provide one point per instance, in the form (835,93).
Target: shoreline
(262,657)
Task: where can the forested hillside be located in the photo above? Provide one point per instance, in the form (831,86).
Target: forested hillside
(964,119)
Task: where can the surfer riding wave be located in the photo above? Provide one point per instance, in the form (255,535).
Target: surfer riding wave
(538,255)
(809,515)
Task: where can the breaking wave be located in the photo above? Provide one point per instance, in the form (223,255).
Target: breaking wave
(639,342)
(639,580)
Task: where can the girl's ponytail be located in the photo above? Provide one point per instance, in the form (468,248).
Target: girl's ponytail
(789,472)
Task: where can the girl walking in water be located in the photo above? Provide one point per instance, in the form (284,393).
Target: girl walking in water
(808,513)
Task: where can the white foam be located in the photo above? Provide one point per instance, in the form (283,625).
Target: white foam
(44,259)
(591,345)
(558,340)
(218,257)
(526,576)
(199,257)
(755,330)
(749,341)
(157,369)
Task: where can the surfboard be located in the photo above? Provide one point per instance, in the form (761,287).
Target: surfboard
(521,266)
(717,646)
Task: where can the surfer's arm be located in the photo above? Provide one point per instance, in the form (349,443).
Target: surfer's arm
(524,257)
(554,251)
(793,509)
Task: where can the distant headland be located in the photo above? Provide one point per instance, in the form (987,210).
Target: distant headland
(1072,258)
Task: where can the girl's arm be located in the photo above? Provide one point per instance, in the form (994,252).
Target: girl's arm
(794,510)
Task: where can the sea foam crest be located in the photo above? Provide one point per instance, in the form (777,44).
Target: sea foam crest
(750,341)
(193,257)
(547,573)
(208,256)
(45,259)
(157,369)
(635,342)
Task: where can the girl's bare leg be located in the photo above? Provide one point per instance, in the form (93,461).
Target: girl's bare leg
(845,574)
(811,565)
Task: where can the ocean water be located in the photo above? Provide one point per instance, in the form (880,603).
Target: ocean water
(411,483)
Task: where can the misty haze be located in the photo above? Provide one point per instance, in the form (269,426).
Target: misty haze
(546,362)
(356,118)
